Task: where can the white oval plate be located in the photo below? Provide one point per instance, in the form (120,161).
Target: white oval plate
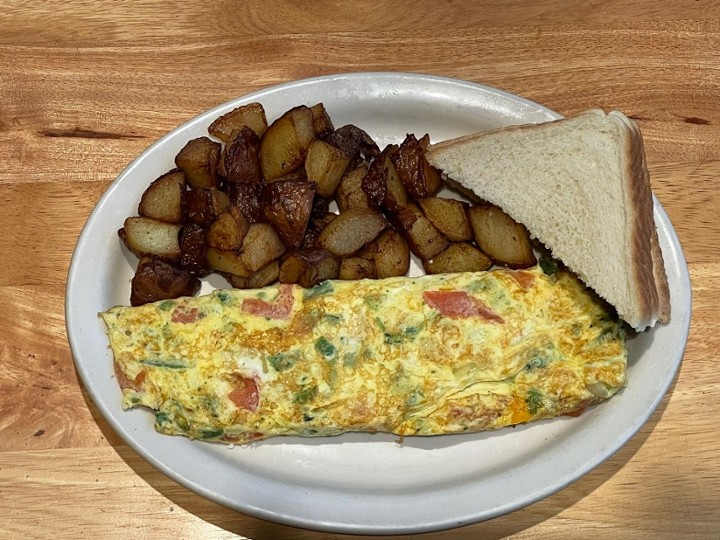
(360,483)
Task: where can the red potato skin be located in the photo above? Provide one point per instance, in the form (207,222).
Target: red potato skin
(159,280)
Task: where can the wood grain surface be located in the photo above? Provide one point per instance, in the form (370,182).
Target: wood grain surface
(87,85)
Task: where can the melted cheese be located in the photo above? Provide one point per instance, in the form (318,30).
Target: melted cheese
(411,356)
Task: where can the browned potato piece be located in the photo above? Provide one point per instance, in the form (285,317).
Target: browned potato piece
(147,236)
(349,193)
(322,124)
(228,230)
(309,267)
(193,245)
(156,279)
(240,158)
(284,146)
(265,276)
(449,217)
(357,268)
(226,262)
(390,252)
(355,142)
(199,160)
(164,199)
(247,198)
(505,240)
(417,175)
(251,115)
(314,228)
(382,183)
(325,166)
(204,205)
(424,239)
(287,205)
(261,245)
(458,257)
(351,230)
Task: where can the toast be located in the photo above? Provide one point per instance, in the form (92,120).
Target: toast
(581,187)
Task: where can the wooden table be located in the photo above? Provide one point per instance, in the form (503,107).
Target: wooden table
(86,85)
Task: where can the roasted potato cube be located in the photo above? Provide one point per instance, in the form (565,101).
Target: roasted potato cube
(349,193)
(247,198)
(355,142)
(353,268)
(265,276)
(417,175)
(309,267)
(228,231)
(251,115)
(314,228)
(351,230)
(240,158)
(503,239)
(424,239)
(199,160)
(227,262)
(164,199)
(261,245)
(204,205)
(325,166)
(147,236)
(285,144)
(193,244)
(382,183)
(156,279)
(287,205)
(449,217)
(322,124)
(458,257)
(390,253)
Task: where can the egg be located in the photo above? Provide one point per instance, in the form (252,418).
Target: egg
(431,355)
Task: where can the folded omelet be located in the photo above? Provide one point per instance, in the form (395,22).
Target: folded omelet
(430,355)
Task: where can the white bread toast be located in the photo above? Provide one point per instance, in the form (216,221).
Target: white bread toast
(581,187)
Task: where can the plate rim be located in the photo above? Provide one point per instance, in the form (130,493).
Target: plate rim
(328,525)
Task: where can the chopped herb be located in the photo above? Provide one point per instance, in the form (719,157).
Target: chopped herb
(373,300)
(182,422)
(393,339)
(166,305)
(323,287)
(411,332)
(161,418)
(223,296)
(536,362)
(281,361)
(170,363)
(211,433)
(324,347)
(548,266)
(332,318)
(307,417)
(306,394)
(534,401)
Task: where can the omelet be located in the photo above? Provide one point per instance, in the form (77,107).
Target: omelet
(431,355)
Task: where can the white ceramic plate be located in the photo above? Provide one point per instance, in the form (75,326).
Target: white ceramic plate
(360,483)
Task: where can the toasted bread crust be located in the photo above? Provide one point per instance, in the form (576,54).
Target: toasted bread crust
(647,264)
